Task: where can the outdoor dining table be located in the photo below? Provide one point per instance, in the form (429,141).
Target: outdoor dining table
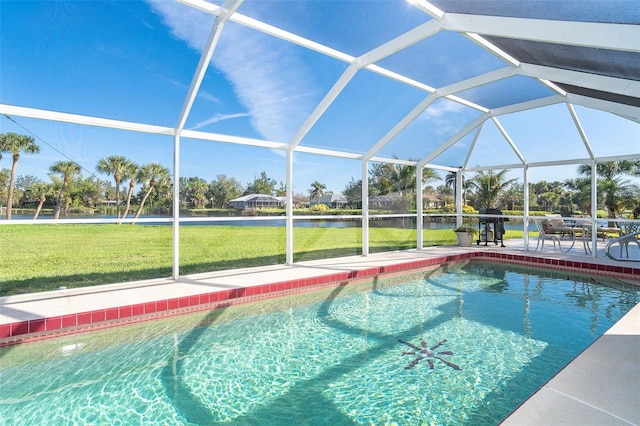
(575,231)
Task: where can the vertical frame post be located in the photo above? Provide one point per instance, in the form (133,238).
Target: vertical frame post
(365,208)
(458,201)
(594,209)
(289,209)
(419,208)
(175,274)
(525,202)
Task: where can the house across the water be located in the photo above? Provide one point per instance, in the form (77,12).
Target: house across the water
(257,201)
(335,201)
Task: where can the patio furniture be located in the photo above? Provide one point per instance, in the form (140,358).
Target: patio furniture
(554,228)
(604,231)
(582,232)
(629,234)
(555,224)
(546,233)
(601,231)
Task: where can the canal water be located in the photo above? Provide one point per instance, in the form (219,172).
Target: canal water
(441,223)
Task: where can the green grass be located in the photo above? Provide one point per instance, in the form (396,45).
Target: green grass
(46,257)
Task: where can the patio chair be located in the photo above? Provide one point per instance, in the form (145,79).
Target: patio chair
(601,231)
(605,231)
(545,232)
(555,224)
(628,234)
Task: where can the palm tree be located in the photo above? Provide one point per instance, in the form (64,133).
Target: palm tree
(40,190)
(224,189)
(402,178)
(580,190)
(616,191)
(317,190)
(115,165)
(4,178)
(513,196)
(193,192)
(68,169)
(130,172)
(450,181)
(153,172)
(14,144)
(399,178)
(490,186)
(429,175)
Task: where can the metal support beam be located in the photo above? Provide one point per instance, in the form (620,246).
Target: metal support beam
(472,147)
(620,86)
(449,143)
(480,80)
(326,102)
(509,140)
(87,120)
(583,135)
(458,201)
(419,209)
(525,178)
(445,91)
(401,125)
(524,106)
(175,270)
(289,209)
(629,112)
(594,209)
(269,29)
(365,208)
(403,41)
(196,81)
(205,59)
(587,34)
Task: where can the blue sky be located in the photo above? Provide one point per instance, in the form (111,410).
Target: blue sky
(134,60)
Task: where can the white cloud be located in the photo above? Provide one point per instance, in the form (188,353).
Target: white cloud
(203,94)
(442,116)
(266,75)
(440,108)
(218,117)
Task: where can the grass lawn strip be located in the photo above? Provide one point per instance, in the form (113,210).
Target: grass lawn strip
(46,257)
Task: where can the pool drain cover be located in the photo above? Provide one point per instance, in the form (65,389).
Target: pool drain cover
(424,352)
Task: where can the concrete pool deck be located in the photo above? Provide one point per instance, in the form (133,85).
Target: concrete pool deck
(601,386)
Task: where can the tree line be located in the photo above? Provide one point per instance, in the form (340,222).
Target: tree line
(616,193)
(68,189)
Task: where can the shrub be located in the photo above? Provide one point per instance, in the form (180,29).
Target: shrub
(467,229)
(467,209)
(319,208)
(451,208)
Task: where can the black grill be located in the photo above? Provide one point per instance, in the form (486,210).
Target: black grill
(491,228)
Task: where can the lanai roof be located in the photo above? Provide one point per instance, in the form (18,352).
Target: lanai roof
(444,83)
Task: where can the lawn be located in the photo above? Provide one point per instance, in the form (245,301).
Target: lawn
(46,257)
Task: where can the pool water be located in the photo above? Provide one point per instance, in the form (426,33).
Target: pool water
(463,344)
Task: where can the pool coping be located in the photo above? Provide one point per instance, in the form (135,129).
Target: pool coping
(600,386)
(42,326)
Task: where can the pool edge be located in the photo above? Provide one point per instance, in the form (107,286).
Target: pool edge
(75,322)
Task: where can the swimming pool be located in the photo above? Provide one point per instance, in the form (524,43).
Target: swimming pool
(465,343)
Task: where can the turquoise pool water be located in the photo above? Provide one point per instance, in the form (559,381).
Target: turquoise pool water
(463,344)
